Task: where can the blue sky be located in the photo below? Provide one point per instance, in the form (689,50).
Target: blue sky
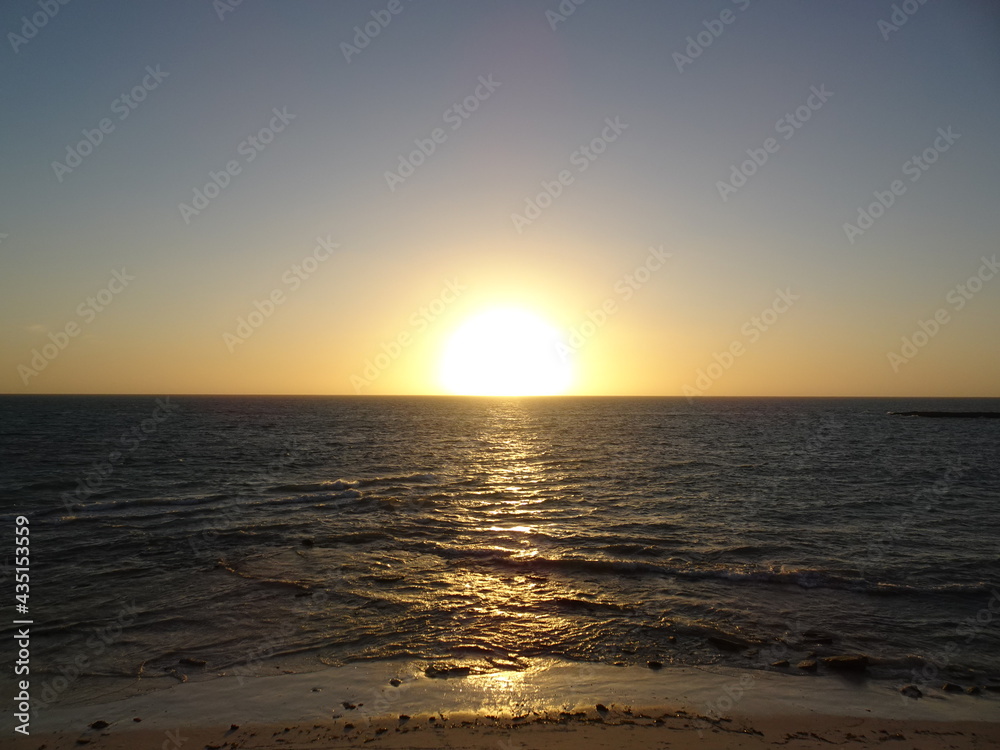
(657,184)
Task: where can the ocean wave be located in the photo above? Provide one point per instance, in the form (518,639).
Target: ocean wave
(319,498)
(149,502)
(571,603)
(399,479)
(300,585)
(338,485)
(360,537)
(48,484)
(325,486)
(803,578)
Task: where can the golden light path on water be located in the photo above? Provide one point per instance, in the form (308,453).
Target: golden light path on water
(509,611)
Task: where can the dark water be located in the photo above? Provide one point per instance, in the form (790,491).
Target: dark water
(258,534)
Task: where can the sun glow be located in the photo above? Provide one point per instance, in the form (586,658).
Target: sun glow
(506,352)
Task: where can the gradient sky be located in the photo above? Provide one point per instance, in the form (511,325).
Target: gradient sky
(62,236)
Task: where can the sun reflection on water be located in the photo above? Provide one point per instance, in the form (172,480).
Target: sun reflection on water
(506,614)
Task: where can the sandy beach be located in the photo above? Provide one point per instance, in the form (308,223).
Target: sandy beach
(552,705)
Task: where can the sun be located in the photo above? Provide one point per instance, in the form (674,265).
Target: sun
(506,351)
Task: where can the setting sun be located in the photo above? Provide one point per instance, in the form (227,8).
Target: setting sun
(506,352)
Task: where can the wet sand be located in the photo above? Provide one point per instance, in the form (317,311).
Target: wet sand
(553,705)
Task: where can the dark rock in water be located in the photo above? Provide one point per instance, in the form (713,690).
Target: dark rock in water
(817,636)
(780,663)
(194,662)
(654,665)
(136,719)
(601,708)
(443,672)
(911,691)
(395,682)
(99,724)
(807,664)
(847,663)
(308,542)
(951,687)
(727,643)
(993,688)
(348,706)
(948,414)
(972,690)
(620,664)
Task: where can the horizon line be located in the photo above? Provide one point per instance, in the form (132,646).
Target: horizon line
(452,395)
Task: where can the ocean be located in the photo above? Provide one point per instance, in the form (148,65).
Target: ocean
(185,538)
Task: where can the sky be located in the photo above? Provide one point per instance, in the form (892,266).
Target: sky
(700,198)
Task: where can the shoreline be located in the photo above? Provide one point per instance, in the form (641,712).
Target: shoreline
(353,703)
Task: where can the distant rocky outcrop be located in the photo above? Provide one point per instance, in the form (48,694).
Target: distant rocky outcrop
(948,414)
